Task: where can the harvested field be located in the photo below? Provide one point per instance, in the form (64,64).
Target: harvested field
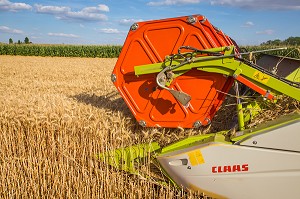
(57,114)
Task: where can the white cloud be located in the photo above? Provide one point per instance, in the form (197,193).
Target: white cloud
(172,2)
(62,35)
(52,9)
(14,7)
(109,30)
(129,21)
(86,14)
(101,7)
(6,29)
(260,4)
(248,24)
(265,32)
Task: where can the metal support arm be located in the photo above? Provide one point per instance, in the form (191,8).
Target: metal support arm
(231,65)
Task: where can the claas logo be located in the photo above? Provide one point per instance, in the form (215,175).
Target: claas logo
(230,168)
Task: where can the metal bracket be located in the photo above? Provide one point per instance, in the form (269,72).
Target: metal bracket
(182,97)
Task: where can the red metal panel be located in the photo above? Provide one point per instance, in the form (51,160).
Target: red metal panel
(149,43)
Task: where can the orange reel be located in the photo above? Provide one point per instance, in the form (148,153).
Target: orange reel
(149,42)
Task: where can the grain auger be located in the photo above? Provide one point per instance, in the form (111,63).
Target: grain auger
(176,73)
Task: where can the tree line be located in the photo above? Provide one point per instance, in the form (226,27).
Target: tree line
(26,41)
(291,41)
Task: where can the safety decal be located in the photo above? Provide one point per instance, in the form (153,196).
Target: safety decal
(196,157)
(261,77)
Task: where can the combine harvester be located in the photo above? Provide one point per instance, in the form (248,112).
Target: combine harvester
(176,73)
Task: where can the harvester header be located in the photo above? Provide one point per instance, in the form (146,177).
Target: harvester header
(176,73)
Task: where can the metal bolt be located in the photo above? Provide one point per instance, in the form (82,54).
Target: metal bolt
(191,19)
(113,78)
(189,167)
(203,20)
(134,26)
(142,123)
(254,142)
(208,121)
(235,76)
(197,124)
(227,48)
(170,74)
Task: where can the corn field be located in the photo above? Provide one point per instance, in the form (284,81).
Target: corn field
(291,51)
(108,51)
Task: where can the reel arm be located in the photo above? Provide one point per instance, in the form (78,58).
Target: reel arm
(229,64)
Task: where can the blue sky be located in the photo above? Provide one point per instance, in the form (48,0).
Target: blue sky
(107,21)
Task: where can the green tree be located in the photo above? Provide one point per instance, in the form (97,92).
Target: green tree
(276,42)
(10,41)
(26,40)
(292,41)
(19,42)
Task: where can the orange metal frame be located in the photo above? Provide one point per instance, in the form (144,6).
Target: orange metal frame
(255,87)
(149,42)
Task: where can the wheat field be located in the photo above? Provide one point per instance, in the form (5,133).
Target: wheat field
(57,114)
